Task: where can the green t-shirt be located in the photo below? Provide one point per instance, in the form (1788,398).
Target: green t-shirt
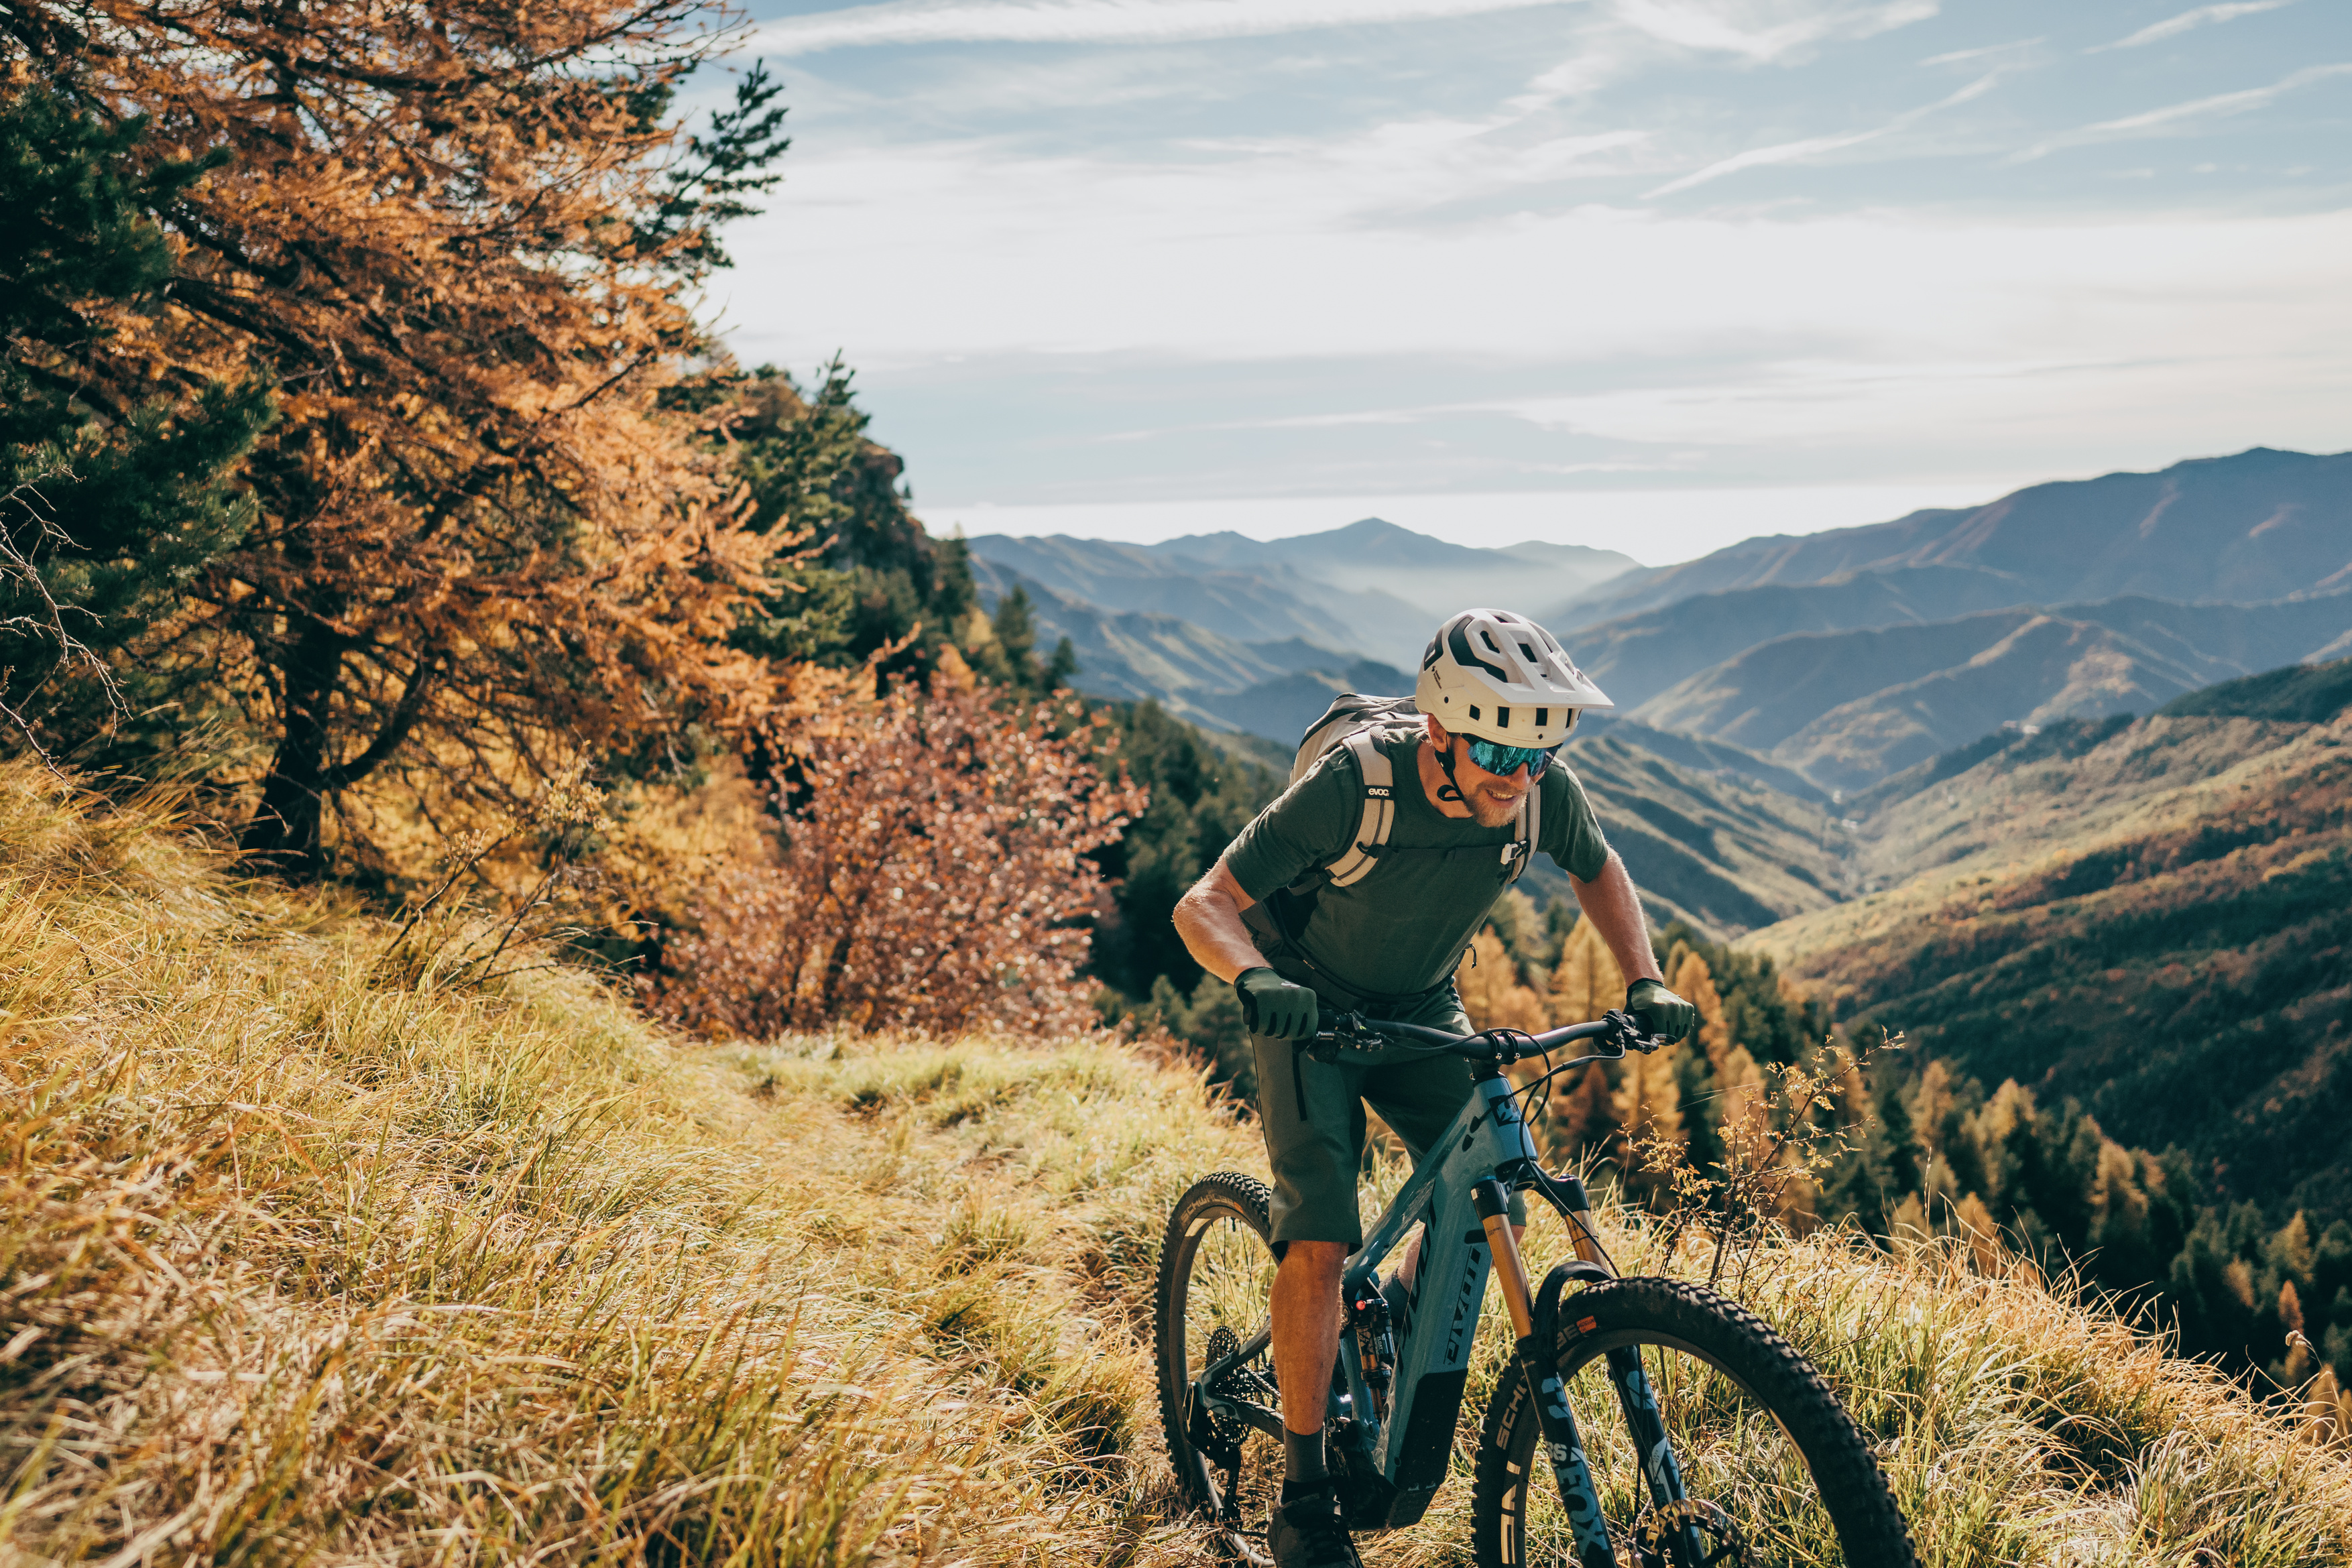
(1401,929)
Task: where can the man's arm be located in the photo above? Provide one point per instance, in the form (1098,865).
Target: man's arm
(1209,919)
(1609,901)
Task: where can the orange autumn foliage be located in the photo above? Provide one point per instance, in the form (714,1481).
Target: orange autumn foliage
(457,239)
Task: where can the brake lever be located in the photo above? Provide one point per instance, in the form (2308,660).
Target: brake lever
(1626,1033)
(1347,1033)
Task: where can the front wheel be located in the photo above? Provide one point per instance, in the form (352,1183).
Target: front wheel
(1769,1468)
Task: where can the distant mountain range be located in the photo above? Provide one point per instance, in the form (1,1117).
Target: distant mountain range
(1841,657)
(1369,590)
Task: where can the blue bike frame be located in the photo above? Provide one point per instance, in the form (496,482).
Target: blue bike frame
(1393,1465)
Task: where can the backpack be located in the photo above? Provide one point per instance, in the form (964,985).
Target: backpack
(1360,723)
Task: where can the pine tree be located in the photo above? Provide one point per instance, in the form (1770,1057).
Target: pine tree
(112,502)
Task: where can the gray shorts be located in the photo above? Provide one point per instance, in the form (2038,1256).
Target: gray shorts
(1313,1115)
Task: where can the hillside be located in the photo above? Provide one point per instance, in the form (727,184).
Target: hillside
(1724,853)
(2257,526)
(1263,601)
(1435,578)
(1272,688)
(305,1262)
(1637,657)
(1847,708)
(2152,916)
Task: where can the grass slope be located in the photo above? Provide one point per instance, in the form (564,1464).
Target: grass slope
(2153,916)
(297,1263)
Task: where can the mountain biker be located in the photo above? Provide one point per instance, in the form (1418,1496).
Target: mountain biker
(1498,695)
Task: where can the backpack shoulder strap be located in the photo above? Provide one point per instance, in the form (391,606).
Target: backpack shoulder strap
(1379,781)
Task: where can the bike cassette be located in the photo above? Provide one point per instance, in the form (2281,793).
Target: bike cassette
(1216,1433)
(1721,1545)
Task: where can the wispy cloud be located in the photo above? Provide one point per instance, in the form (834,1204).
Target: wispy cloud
(1094,21)
(2156,121)
(1959,56)
(1735,28)
(1814,146)
(2204,15)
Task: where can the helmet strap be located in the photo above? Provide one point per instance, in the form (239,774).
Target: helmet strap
(1450,789)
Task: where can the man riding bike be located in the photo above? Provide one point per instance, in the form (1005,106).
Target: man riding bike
(1498,696)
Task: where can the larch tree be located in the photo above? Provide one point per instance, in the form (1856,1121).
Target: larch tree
(1491,991)
(1586,982)
(1688,977)
(455,241)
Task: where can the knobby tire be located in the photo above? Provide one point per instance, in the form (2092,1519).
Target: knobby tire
(1669,1316)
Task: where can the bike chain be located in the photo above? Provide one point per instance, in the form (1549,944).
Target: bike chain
(1233,1383)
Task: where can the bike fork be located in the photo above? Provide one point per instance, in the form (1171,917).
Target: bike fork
(1570,1472)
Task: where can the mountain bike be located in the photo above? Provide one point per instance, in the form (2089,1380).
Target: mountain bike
(1706,1440)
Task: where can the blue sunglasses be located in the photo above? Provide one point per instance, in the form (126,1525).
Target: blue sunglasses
(1503,761)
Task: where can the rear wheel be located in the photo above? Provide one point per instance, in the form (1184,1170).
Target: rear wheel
(1216,1271)
(1771,1469)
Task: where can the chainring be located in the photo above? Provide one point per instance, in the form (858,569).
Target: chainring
(1723,1544)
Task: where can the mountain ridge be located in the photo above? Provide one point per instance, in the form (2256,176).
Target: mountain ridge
(1847,708)
(2179,528)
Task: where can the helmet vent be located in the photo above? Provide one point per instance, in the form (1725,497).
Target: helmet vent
(1474,710)
(1543,716)
(1530,652)
(1503,717)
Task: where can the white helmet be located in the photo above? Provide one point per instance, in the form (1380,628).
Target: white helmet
(1501,677)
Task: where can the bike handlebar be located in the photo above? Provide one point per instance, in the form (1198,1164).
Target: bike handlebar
(1502,1046)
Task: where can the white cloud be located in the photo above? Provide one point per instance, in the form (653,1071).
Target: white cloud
(1764,32)
(2219,104)
(1093,21)
(1959,56)
(1813,147)
(2204,15)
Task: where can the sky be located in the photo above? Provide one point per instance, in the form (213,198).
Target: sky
(1650,275)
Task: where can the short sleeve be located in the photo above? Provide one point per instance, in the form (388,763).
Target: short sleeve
(1571,833)
(1307,826)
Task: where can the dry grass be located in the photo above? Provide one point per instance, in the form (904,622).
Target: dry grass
(297,1263)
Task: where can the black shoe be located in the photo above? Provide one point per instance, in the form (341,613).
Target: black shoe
(1305,1530)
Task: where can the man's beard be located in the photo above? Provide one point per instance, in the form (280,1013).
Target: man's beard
(1486,812)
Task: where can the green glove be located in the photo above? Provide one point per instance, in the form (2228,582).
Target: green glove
(1659,1011)
(1272,1006)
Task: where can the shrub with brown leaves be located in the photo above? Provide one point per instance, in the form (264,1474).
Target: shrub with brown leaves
(932,875)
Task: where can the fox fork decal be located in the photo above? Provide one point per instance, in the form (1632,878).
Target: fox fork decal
(1566,1450)
(1648,1427)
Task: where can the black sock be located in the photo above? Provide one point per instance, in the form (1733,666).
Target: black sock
(1302,1461)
